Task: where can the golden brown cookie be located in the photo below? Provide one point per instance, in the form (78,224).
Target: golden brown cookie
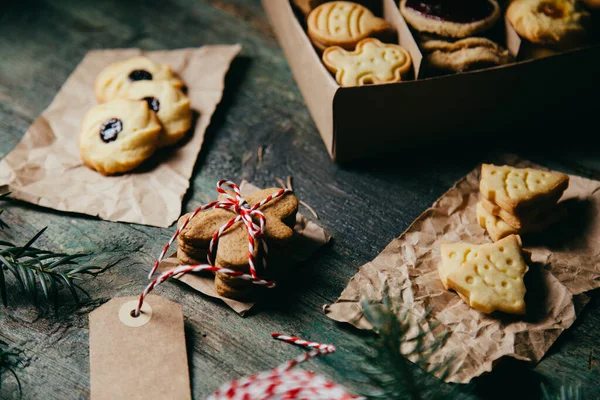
(516,190)
(232,251)
(372,62)
(170,105)
(451,18)
(489,276)
(114,79)
(118,136)
(548,22)
(464,55)
(537,213)
(343,24)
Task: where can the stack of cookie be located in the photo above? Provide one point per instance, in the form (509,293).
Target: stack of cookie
(518,200)
(450,33)
(347,33)
(142,109)
(232,250)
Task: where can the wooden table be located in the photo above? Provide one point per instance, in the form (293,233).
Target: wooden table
(42,42)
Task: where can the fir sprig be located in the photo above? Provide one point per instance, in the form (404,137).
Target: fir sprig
(390,369)
(37,270)
(10,360)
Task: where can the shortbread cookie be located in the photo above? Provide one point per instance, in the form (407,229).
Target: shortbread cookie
(170,104)
(372,62)
(118,136)
(517,189)
(533,215)
(464,55)
(548,22)
(232,250)
(492,278)
(496,227)
(343,24)
(116,78)
(451,18)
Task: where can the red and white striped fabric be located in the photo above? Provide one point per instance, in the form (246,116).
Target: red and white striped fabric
(284,382)
(245,213)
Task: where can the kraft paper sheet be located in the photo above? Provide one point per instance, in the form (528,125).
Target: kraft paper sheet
(45,168)
(566,264)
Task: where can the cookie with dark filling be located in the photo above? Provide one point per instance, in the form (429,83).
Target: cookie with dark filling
(451,18)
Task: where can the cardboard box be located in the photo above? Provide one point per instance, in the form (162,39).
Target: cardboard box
(371,121)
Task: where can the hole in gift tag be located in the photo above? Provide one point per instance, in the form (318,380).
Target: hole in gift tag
(127,314)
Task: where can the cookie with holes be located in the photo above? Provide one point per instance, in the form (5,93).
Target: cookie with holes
(372,62)
(344,24)
(559,23)
(232,250)
(118,136)
(113,80)
(451,18)
(170,104)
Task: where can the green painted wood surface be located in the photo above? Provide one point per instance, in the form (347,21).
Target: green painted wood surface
(41,42)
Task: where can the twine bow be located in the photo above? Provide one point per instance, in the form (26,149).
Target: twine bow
(253,219)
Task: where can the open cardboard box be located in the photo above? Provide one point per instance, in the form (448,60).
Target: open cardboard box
(370,121)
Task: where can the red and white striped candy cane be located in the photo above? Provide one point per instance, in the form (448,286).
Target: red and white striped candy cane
(284,382)
(246,214)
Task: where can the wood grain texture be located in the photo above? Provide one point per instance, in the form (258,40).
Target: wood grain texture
(364,205)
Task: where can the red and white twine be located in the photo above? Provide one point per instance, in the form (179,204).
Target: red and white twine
(284,382)
(253,219)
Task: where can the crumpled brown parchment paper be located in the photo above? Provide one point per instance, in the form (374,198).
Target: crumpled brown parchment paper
(566,263)
(45,167)
(308,238)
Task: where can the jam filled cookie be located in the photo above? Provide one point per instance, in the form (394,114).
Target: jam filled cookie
(170,105)
(464,55)
(344,24)
(451,18)
(118,136)
(114,79)
(548,22)
(372,62)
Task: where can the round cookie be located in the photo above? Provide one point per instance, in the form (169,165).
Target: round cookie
(170,104)
(548,22)
(114,79)
(118,136)
(464,55)
(451,18)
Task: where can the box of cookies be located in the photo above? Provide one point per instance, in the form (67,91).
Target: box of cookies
(383,76)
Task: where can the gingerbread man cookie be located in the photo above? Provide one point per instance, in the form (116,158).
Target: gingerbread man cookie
(116,78)
(344,24)
(372,62)
(232,250)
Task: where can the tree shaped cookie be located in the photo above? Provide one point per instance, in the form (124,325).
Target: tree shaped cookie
(516,189)
(342,23)
(372,62)
(488,276)
(232,248)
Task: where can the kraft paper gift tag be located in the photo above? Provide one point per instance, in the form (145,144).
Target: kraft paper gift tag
(138,358)
(45,168)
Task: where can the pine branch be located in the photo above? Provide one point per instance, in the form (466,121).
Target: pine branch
(10,360)
(37,270)
(3,197)
(398,361)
